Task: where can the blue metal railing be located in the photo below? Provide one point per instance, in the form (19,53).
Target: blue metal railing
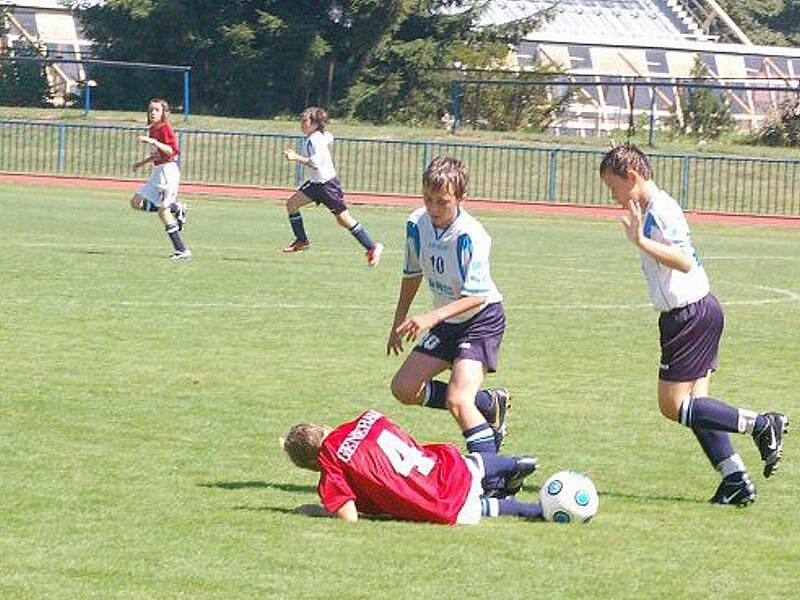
(521,173)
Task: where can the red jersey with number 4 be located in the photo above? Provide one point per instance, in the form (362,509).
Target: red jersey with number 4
(164,133)
(385,471)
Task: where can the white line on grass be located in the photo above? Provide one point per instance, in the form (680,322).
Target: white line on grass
(784,296)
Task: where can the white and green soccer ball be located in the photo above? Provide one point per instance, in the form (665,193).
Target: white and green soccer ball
(569,497)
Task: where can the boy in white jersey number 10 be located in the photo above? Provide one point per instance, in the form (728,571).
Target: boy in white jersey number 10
(690,326)
(450,248)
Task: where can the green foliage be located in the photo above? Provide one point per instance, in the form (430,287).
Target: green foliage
(701,112)
(781,126)
(369,58)
(407,78)
(511,107)
(769,22)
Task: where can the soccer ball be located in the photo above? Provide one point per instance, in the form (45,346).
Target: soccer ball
(569,497)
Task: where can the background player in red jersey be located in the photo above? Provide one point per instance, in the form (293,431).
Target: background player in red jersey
(372,466)
(160,193)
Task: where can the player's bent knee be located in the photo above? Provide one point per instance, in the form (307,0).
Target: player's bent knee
(403,392)
(668,409)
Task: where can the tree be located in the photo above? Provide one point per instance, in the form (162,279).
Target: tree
(378,59)
(407,76)
(701,112)
(769,22)
(782,126)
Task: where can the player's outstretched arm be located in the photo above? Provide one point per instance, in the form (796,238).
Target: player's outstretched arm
(668,256)
(408,291)
(412,328)
(293,156)
(165,148)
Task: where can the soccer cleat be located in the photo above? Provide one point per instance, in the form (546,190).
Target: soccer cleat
(181,210)
(769,440)
(501,404)
(525,466)
(296,246)
(736,489)
(178,255)
(374,254)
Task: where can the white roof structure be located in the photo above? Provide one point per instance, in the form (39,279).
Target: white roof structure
(650,21)
(651,41)
(51,28)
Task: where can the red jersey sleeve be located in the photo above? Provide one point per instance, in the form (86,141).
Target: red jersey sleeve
(333,489)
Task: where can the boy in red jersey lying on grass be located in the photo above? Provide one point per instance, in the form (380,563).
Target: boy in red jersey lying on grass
(372,466)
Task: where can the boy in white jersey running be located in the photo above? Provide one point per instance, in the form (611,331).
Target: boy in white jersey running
(450,248)
(690,326)
(322,187)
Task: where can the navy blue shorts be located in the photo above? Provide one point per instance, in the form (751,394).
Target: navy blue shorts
(690,338)
(328,193)
(477,338)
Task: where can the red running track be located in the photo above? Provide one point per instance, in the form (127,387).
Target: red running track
(278,194)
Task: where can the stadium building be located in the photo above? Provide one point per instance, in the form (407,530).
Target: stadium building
(53,31)
(654,41)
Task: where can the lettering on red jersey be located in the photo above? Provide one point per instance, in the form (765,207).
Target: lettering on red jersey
(354,438)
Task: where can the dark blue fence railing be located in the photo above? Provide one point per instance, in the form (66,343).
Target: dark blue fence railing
(522,173)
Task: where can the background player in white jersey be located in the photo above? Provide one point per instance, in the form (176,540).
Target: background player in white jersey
(450,248)
(322,187)
(372,466)
(690,326)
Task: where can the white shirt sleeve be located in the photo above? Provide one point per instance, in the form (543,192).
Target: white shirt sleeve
(412,267)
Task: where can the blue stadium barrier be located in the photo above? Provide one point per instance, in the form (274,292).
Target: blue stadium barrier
(730,184)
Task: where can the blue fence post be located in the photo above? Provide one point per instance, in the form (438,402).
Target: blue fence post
(62,129)
(552,171)
(426,150)
(298,168)
(684,199)
(87,97)
(186,95)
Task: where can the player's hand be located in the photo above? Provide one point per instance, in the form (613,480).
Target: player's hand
(395,343)
(412,328)
(632,222)
(290,154)
(136,166)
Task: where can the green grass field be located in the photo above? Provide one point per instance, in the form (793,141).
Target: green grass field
(141,402)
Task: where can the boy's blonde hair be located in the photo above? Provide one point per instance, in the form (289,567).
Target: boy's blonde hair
(623,158)
(303,443)
(446,173)
(316,116)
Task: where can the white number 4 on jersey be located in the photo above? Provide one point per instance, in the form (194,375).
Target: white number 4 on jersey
(403,457)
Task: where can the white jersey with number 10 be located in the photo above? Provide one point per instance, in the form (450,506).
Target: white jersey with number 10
(455,261)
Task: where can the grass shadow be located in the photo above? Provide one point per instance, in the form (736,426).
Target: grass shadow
(243,485)
(651,497)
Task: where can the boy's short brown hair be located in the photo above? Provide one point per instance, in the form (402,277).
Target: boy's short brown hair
(302,444)
(446,173)
(626,157)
